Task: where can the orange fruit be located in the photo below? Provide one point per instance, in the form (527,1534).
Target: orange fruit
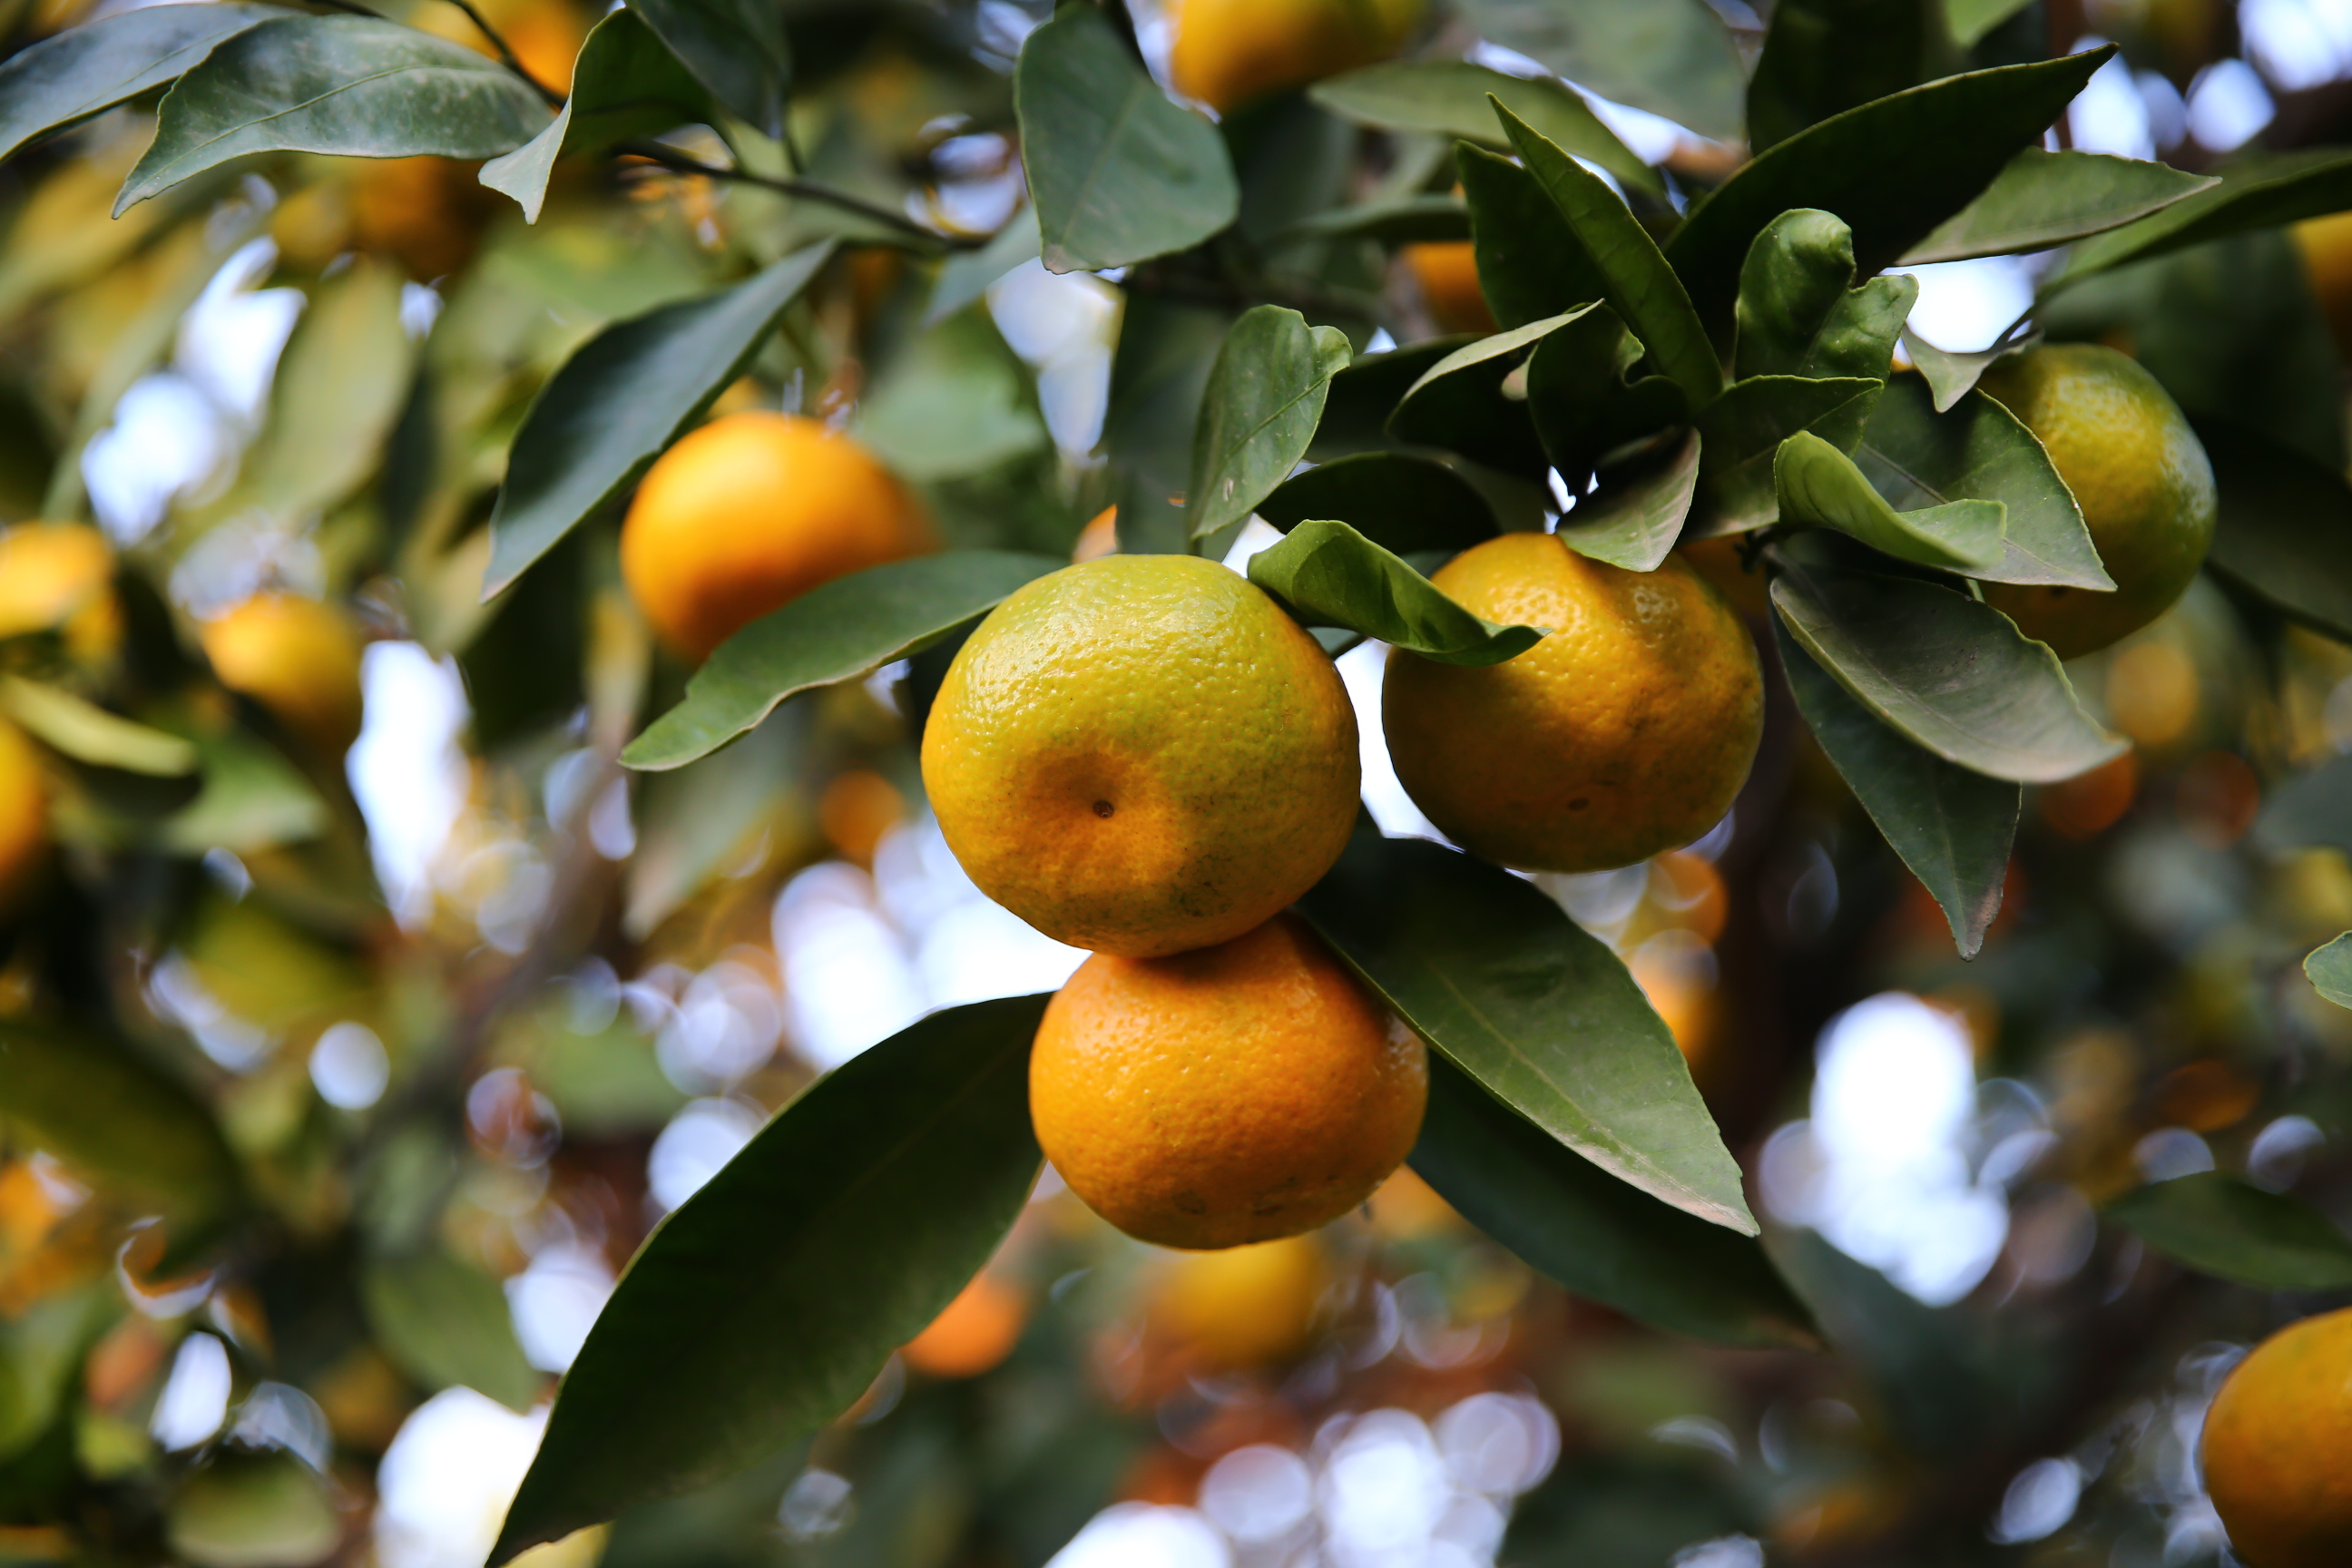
(1239,1093)
(747,513)
(23,815)
(1719,560)
(1143,754)
(1244,1306)
(1226,52)
(974,1333)
(2275,1446)
(545,35)
(59,577)
(1625,731)
(296,657)
(2326,247)
(426,213)
(2126,450)
(1447,271)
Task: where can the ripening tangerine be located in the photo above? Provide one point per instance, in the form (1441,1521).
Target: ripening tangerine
(1227,52)
(2275,1447)
(297,657)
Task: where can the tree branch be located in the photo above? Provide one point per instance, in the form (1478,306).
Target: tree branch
(677,162)
(506,55)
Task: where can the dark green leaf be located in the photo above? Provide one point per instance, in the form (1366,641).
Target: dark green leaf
(734,47)
(445,1322)
(1672,57)
(62,82)
(1584,405)
(354,85)
(1120,173)
(1954,674)
(1638,512)
(1641,287)
(1541,1015)
(1797,313)
(1744,428)
(1331,576)
(2043,199)
(1918,459)
(88,733)
(1157,374)
(2329,969)
(1399,501)
(1363,395)
(1953,828)
(1593,1233)
(1460,403)
(2312,809)
(2260,191)
(114,1119)
(1449,97)
(1529,266)
(1264,399)
(1894,169)
(1400,222)
(2218,1225)
(624,84)
(621,399)
(1819,486)
(1952,377)
(2285,526)
(840,631)
(1823,56)
(1972,19)
(759,1310)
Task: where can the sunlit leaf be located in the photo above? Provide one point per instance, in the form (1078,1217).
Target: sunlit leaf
(1264,399)
(445,1323)
(2329,969)
(1449,97)
(63,79)
(2045,199)
(2285,526)
(1637,514)
(1397,501)
(736,49)
(1331,576)
(1674,57)
(1822,57)
(252,799)
(88,733)
(2260,190)
(624,84)
(1819,486)
(2217,1225)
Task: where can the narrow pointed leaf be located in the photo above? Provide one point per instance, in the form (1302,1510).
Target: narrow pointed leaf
(1263,402)
(621,399)
(1953,828)
(2261,191)
(1449,97)
(624,84)
(1119,172)
(1950,374)
(1674,57)
(2285,527)
(1540,1014)
(766,1304)
(1637,514)
(842,630)
(1819,486)
(1586,400)
(1594,1234)
(1331,576)
(2329,969)
(1397,501)
(1953,674)
(1529,266)
(88,733)
(62,81)
(736,49)
(1460,403)
(114,1119)
(2045,199)
(354,85)
(1399,222)
(2218,1225)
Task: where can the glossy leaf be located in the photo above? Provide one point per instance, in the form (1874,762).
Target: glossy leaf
(1585,400)
(1529,266)
(766,1304)
(734,47)
(1460,403)
(2045,199)
(1918,458)
(1264,399)
(2329,969)
(2218,1225)
(1120,173)
(1820,487)
(1674,57)
(1822,57)
(1954,674)
(1950,374)
(2285,527)
(1637,514)
(115,1119)
(842,630)
(1331,576)
(1594,1234)
(1641,287)
(2314,808)
(445,1322)
(1799,311)
(1744,428)
(624,84)
(1895,169)
(88,733)
(2258,191)
(621,399)
(354,85)
(62,81)
(1449,97)
(1363,395)
(1953,828)
(1541,1015)
(1399,501)
(1157,374)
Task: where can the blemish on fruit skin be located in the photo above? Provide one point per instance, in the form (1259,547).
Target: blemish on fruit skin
(1103,808)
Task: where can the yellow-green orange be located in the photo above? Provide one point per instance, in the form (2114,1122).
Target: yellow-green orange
(2278,1448)
(1141,754)
(2136,468)
(23,815)
(1227,52)
(1244,1306)
(1238,1093)
(59,577)
(1626,731)
(2326,247)
(297,658)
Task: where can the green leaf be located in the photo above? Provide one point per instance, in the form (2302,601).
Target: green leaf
(1157,374)
(1953,828)
(1363,395)
(695,822)
(965,276)
(115,1119)
(1822,57)
(767,1303)
(624,84)
(248,1508)
(60,82)
(1918,459)
(1120,173)
(1529,266)
(1952,376)
(1954,674)
(1894,169)
(1637,514)
(354,85)
(444,1323)
(1799,313)
(2285,527)
(2313,809)
(1584,405)
(1674,57)
(1449,97)
(2258,191)
(1594,1234)
(1541,1015)
(88,733)
(1460,403)
(1641,287)
(2329,969)
(1744,428)
(1820,487)
(1970,20)
(1399,501)
(956,401)
(342,383)
(2218,1225)
(1331,576)
(840,631)
(621,399)
(737,48)
(1264,399)
(1399,222)
(252,799)
(2043,199)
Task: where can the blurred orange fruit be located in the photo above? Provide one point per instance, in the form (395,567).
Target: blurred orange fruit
(2092,803)
(1719,560)
(545,35)
(857,809)
(1227,52)
(296,657)
(2275,1445)
(23,815)
(974,1333)
(59,577)
(1447,271)
(1245,1306)
(1235,1094)
(2326,247)
(426,213)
